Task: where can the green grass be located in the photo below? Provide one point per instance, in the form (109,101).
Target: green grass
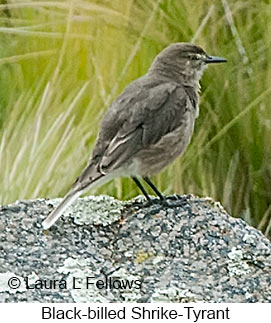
(63,62)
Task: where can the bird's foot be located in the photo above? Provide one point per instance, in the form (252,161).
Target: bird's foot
(174,201)
(146,203)
(167,202)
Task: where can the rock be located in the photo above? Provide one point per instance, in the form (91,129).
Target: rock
(112,251)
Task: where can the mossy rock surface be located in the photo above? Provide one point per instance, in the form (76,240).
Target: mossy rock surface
(192,252)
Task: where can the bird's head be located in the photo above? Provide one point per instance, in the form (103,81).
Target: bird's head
(183,61)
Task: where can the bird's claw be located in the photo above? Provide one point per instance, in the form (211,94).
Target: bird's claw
(178,201)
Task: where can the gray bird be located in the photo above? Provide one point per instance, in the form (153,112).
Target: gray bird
(148,125)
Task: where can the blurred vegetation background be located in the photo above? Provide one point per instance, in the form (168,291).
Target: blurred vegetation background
(63,62)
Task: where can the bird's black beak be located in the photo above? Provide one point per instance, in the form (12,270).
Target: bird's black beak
(215,59)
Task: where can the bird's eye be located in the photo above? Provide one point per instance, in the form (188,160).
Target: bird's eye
(195,57)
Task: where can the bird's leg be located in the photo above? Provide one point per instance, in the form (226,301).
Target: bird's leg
(155,189)
(163,199)
(141,188)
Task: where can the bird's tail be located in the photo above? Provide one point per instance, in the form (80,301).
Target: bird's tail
(88,179)
(58,211)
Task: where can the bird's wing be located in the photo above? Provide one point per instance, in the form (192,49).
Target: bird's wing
(138,120)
